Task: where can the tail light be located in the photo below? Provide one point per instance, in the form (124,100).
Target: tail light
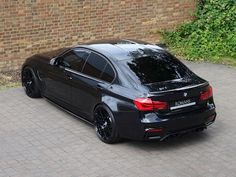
(206,94)
(146,104)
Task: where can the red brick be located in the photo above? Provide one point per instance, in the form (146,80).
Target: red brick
(29,27)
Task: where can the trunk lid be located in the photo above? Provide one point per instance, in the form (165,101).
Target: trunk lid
(175,84)
(181,95)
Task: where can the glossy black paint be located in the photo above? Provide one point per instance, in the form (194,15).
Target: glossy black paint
(80,93)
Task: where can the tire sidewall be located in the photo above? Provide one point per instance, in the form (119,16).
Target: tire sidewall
(114,135)
(36,91)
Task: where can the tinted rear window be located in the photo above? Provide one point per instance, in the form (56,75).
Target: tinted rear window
(157,67)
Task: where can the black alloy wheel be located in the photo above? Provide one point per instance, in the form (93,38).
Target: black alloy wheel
(30,83)
(105,125)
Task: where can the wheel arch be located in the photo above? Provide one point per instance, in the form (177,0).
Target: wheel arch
(101,104)
(34,70)
(110,102)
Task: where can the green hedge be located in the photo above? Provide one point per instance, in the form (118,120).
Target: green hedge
(210,36)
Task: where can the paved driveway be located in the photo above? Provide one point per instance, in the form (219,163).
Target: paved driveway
(39,139)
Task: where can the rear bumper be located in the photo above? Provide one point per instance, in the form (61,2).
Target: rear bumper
(168,126)
(179,124)
(171,133)
(177,133)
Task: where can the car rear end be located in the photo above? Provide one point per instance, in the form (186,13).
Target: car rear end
(177,100)
(177,111)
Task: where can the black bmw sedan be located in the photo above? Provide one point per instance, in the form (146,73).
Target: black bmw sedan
(125,88)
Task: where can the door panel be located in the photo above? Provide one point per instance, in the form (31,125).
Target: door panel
(57,84)
(58,80)
(85,95)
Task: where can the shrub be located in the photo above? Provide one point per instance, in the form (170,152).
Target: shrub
(210,36)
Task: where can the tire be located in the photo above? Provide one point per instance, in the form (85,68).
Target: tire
(105,125)
(30,83)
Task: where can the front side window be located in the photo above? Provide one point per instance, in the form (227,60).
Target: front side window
(74,59)
(94,66)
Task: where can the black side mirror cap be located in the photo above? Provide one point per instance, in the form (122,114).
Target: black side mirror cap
(52,61)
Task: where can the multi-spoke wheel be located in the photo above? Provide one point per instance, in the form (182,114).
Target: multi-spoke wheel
(30,83)
(105,125)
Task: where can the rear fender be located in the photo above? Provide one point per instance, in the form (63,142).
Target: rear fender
(126,115)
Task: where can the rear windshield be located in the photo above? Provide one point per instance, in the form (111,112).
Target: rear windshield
(158,67)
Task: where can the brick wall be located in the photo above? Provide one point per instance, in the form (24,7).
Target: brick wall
(31,26)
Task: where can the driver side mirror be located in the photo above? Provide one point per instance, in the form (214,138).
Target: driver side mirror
(52,61)
(59,62)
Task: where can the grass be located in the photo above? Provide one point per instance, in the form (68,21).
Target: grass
(5,85)
(9,79)
(226,61)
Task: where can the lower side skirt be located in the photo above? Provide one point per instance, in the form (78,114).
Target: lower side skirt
(69,112)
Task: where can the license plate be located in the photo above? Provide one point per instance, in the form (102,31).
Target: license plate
(182,104)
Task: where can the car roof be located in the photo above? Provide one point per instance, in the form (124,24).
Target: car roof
(121,49)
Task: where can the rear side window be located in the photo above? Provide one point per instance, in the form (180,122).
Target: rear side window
(74,59)
(108,73)
(158,67)
(95,65)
